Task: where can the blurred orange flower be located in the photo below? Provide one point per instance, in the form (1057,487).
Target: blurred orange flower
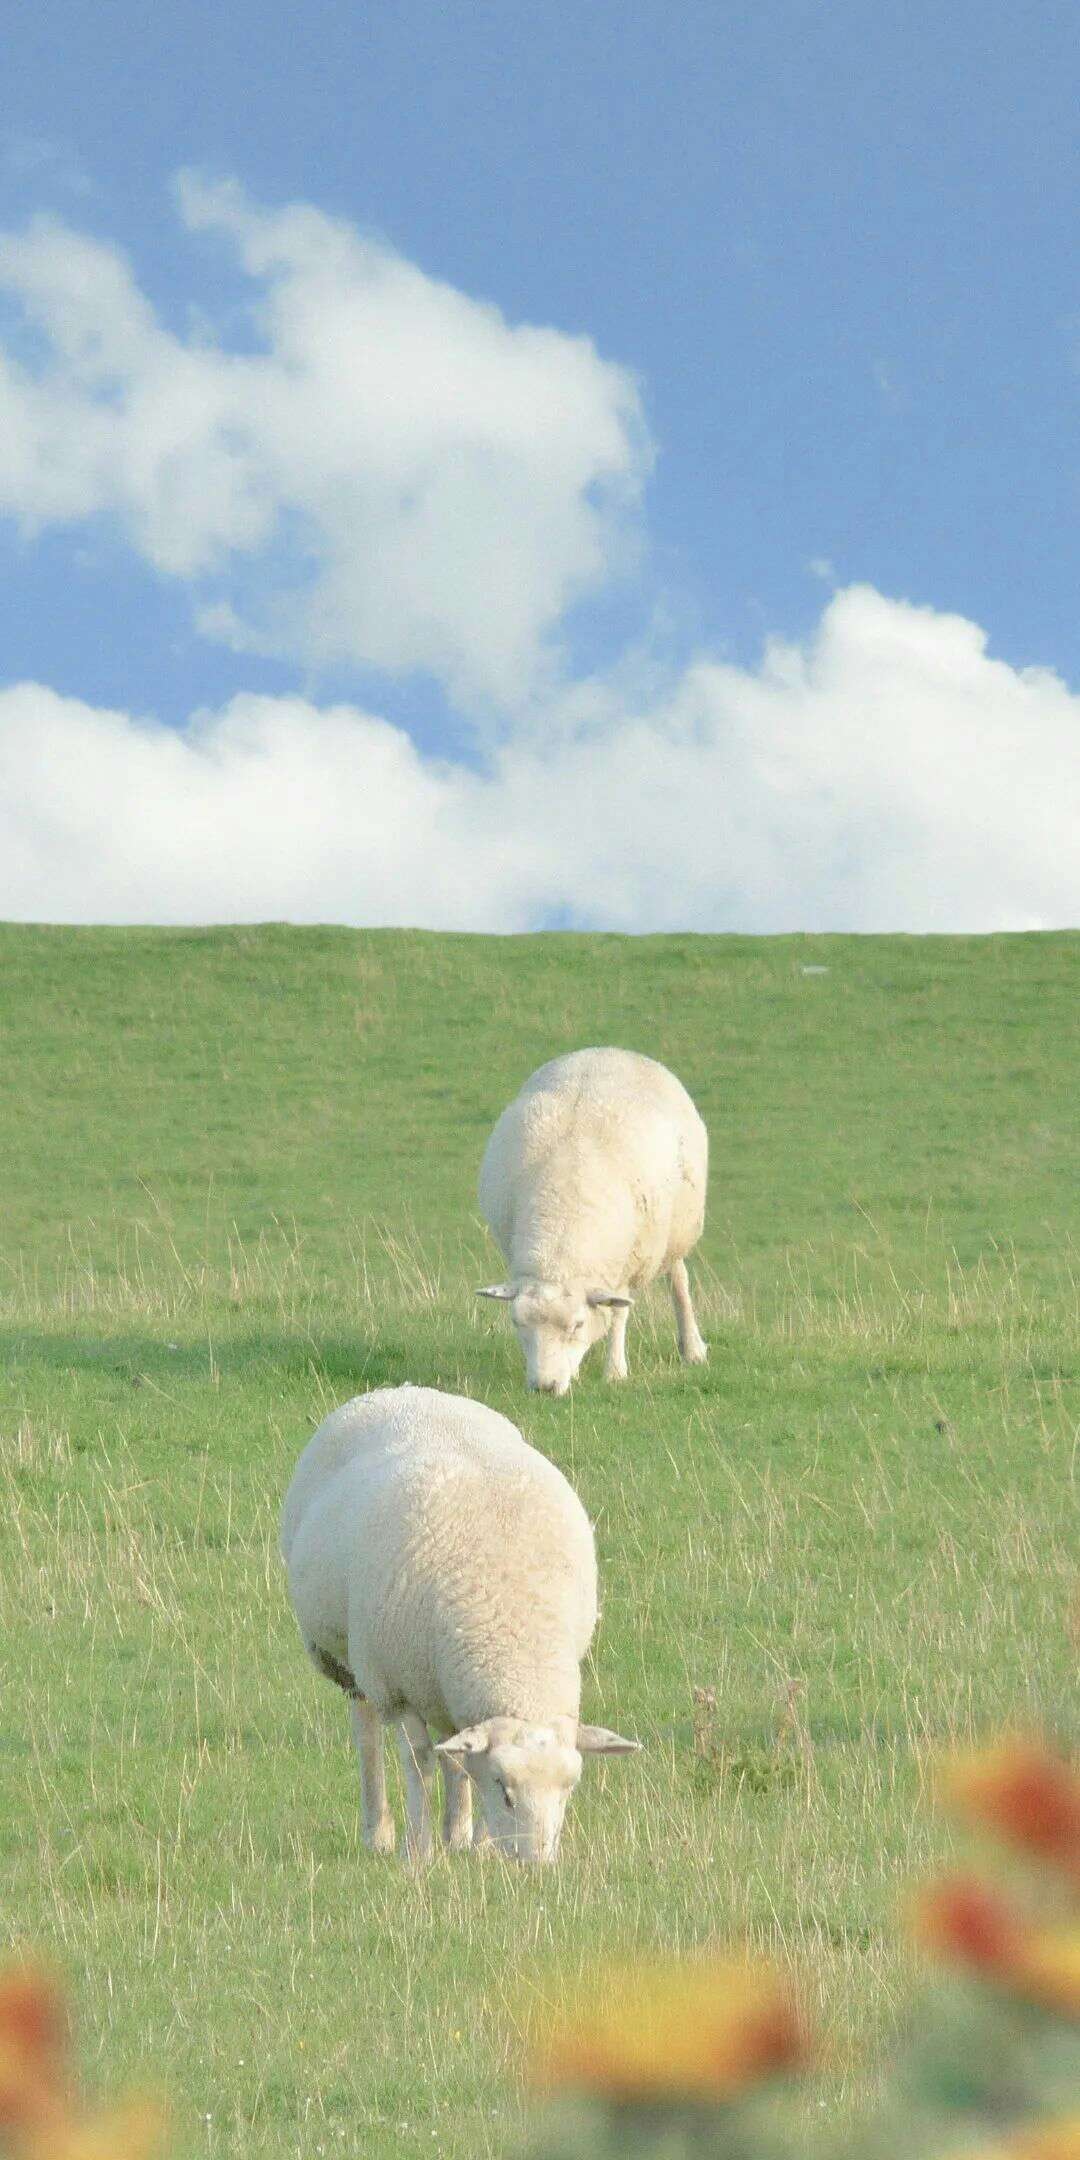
(32,2012)
(33,2050)
(1025,1794)
(703,2030)
(958,1917)
(36,2117)
(961,1919)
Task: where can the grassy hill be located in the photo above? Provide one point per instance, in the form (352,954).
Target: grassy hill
(237,1176)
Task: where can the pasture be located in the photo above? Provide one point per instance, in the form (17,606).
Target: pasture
(237,1186)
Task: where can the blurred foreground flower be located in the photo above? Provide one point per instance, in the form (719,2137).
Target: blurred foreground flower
(700,2031)
(33,2053)
(960,1919)
(37,2117)
(1046,2141)
(125,2133)
(1024,1794)
(1050,1971)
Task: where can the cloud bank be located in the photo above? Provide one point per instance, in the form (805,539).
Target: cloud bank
(887,775)
(375,469)
(382,471)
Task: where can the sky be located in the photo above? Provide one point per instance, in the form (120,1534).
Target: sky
(494,467)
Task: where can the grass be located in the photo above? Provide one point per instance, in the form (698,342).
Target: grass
(237,1186)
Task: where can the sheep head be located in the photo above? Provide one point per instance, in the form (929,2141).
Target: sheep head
(524,1775)
(556,1323)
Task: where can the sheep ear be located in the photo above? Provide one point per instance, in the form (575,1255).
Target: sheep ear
(597,1740)
(471,1740)
(504,1290)
(607,1297)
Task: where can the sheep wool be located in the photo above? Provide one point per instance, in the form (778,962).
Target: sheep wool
(443,1573)
(593,1183)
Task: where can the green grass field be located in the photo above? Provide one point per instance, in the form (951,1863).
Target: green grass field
(237,1186)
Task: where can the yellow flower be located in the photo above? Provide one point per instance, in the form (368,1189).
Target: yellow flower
(128,2133)
(705,2030)
(1041,2141)
(1050,1970)
(1053,2141)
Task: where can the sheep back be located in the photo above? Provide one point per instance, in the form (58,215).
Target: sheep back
(597,1171)
(447,1565)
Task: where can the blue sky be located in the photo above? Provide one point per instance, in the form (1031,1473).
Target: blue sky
(823,258)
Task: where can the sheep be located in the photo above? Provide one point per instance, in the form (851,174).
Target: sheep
(593,1183)
(443,1573)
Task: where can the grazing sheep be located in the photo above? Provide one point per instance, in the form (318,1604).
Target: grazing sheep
(593,1182)
(443,1573)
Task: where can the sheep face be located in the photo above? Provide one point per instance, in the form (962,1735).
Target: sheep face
(524,1780)
(524,1776)
(556,1323)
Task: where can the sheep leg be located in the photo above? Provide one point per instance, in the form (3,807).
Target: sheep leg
(616,1367)
(418,1764)
(457,1806)
(374,1808)
(692,1349)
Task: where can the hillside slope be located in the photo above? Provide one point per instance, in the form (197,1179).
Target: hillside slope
(237,1177)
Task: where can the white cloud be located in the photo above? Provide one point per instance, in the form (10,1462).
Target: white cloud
(384,472)
(888,775)
(405,479)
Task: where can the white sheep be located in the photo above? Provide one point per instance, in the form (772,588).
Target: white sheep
(593,1182)
(443,1573)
